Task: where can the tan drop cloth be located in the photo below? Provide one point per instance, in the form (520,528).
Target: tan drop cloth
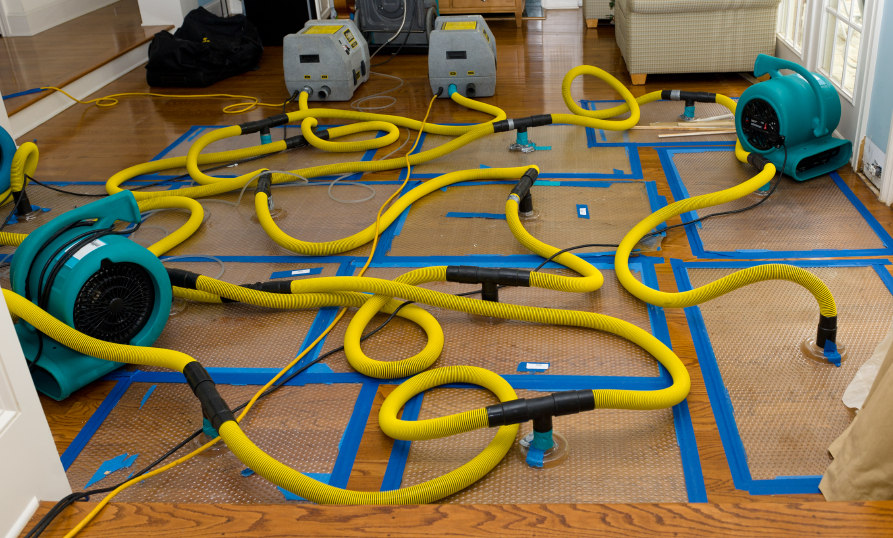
(862,469)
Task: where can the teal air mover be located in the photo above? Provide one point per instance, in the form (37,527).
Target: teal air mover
(7,151)
(795,114)
(89,277)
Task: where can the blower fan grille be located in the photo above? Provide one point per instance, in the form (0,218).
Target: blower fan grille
(115,303)
(760,125)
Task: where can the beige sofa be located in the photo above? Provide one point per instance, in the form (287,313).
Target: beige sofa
(693,36)
(593,10)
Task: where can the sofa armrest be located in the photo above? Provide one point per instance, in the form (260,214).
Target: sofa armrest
(692,6)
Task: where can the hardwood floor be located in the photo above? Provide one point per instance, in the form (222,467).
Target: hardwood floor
(59,55)
(88,143)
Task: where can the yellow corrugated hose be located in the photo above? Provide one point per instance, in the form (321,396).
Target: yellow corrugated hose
(24,162)
(196,216)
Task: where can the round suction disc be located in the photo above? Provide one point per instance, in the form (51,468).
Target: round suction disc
(552,457)
(178,306)
(812,351)
(529,215)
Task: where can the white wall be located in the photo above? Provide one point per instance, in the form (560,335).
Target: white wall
(4,119)
(158,12)
(29,17)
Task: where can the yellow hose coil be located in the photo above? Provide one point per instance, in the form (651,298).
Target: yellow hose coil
(597,118)
(726,284)
(80,342)
(359,239)
(11,239)
(592,278)
(393,133)
(196,216)
(24,161)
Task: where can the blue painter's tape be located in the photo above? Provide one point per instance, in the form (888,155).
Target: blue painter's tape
(19,94)
(297,272)
(393,475)
(831,353)
(547,183)
(110,466)
(582,211)
(319,477)
(96,419)
(457,215)
(247,472)
(618,171)
(350,444)
(537,367)
(148,393)
(484,166)
(535,457)
(320,368)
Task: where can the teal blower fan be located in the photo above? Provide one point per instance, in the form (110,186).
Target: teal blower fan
(793,114)
(83,271)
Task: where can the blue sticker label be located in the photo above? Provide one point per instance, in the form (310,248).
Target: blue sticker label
(296,272)
(533,366)
(582,211)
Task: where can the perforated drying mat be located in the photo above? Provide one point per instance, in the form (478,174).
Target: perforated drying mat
(292,159)
(500,348)
(613,211)
(305,212)
(616,456)
(662,112)
(299,426)
(800,215)
(570,153)
(787,407)
(235,335)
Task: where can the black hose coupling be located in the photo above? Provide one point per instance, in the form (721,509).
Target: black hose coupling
(264,183)
(757,160)
(297,141)
(522,124)
(214,407)
(266,123)
(522,189)
(540,410)
(490,278)
(689,97)
(21,203)
(278,286)
(827,331)
(182,278)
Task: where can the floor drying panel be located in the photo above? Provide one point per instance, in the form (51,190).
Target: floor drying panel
(469,218)
(568,156)
(302,427)
(568,351)
(801,219)
(656,112)
(616,456)
(303,211)
(293,159)
(778,411)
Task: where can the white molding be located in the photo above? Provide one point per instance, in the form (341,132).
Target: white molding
(33,21)
(887,173)
(4,119)
(53,104)
(871,30)
(560,4)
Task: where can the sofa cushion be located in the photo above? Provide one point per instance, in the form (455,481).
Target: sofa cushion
(690,6)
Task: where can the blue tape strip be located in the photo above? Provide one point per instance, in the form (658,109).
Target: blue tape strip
(393,475)
(149,392)
(296,273)
(325,478)
(535,457)
(96,419)
(350,444)
(19,94)
(688,450)
(110,466)
(582,211)
(247,472)
(495,216)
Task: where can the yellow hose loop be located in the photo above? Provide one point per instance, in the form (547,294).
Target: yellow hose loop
(113,185)
(11,239)
(211,137)
(401,368)
(426,492)
(497,113)
(727,102)
(195,295)
(726,284)
(592,277)
(359,239)
(60,332)
(24,162)
(196,216)
(595,119)
(393,133)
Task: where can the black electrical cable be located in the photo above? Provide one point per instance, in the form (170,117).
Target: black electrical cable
(45,186)
(291,99)
(395,54)
(15,208)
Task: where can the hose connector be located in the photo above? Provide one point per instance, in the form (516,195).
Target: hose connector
(540,410)
(688,97)
(757,160)
(522,189)
(827,330)
(214,408)
(522,123)
(181,278)
(264,183)
(501,276)
(260,125)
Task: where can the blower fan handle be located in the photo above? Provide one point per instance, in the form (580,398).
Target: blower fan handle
(769,64)
(120,206)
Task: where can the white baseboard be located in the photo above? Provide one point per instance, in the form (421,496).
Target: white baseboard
(54,13)
(24,518)
(560,4)
(49,106)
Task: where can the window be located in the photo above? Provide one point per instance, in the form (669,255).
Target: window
(841,37)
(791,18)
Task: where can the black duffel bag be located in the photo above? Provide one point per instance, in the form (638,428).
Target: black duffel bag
(206,49)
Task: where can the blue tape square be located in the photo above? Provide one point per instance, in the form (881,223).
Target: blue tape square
(296,272)
(536,367)
(582,211)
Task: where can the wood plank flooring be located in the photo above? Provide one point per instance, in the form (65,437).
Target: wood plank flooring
(87,143)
